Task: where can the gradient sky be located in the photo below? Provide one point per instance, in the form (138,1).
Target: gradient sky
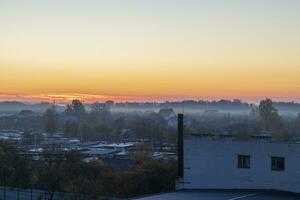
(149,49)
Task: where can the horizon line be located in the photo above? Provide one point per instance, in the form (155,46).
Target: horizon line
(64,98)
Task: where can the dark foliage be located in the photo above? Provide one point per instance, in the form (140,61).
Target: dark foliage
(67,173)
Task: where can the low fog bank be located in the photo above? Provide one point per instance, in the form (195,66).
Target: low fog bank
(13,107)
(234,107)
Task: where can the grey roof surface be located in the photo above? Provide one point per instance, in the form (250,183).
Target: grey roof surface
(222,195)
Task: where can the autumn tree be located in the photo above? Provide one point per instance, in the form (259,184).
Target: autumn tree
(298,122)
(270,120)
(148,176)
(50,121)
(268,114)
(76,108)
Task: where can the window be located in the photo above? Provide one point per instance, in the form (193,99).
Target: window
(244,161)
(277,163)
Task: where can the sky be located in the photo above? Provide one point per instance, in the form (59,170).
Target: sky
(153,50)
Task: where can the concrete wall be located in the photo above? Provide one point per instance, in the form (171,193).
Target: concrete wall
(212,164)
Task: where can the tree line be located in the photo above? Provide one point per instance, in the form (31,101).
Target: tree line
(100,124)
(67,173)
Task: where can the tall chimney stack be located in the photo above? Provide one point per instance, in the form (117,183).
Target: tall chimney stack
(180,145)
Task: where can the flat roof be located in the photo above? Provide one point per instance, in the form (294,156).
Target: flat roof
(223,195)
(97,151)
(114,145)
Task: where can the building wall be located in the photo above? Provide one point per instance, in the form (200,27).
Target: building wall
(212,164)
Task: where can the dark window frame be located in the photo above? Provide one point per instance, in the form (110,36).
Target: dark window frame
(243,161)
(277,163)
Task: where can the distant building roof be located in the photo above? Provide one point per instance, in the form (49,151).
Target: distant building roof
(121,145)
(222,195)
(114,145)
(97,151)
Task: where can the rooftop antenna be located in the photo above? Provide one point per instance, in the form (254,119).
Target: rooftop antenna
(182,106)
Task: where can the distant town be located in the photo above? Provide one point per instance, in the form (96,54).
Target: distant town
(122,137)
(116,130)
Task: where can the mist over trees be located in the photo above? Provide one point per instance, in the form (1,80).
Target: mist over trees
(100,123)
(103,121)
(12,107)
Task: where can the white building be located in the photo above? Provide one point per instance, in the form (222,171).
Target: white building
(225,163)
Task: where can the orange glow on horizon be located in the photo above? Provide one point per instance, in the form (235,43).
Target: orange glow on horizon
(89,98)
(66,98)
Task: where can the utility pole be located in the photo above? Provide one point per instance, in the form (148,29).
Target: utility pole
(180,145)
